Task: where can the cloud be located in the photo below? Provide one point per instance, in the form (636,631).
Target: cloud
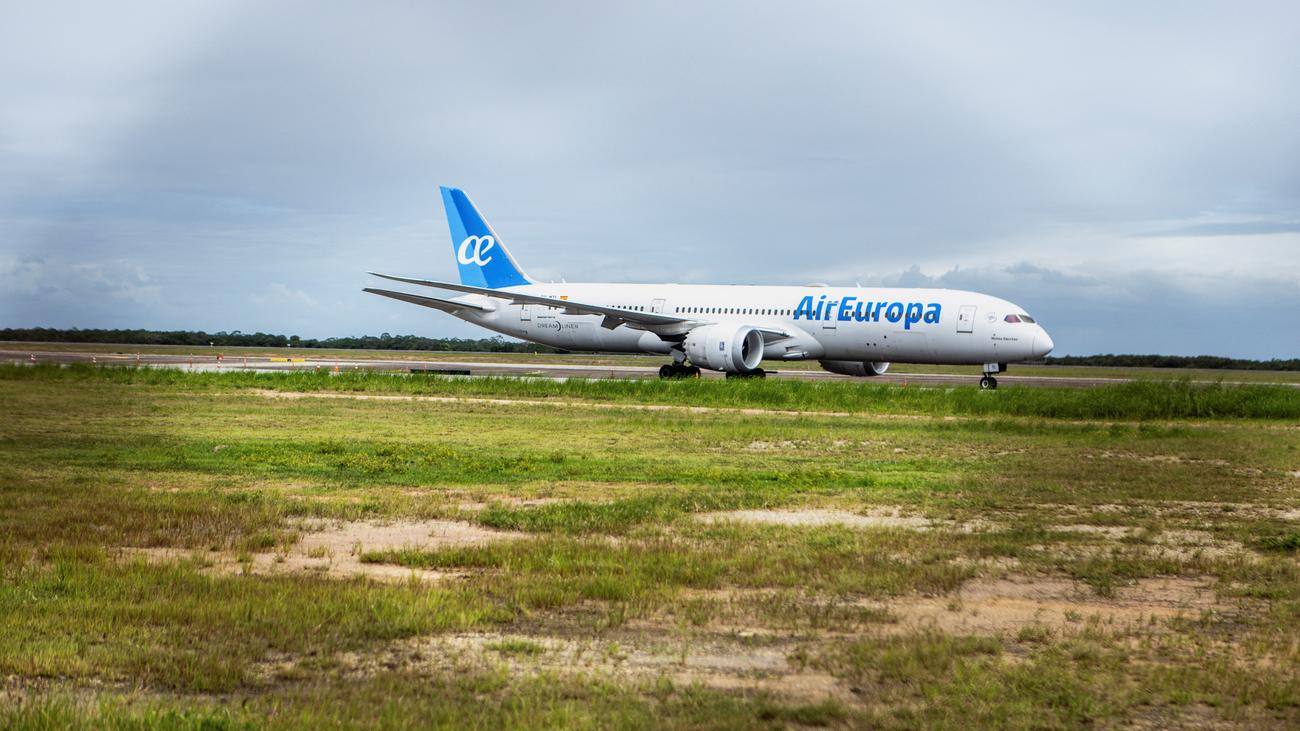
(253,160)
(1236,228)
(59,293)
(281,295)
(1141,311)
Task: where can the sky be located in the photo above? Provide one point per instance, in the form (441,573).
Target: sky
(1128,173)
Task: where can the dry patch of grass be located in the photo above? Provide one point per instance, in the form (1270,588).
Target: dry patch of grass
(335,549)
(876,517)
(1007,605)
(712,660)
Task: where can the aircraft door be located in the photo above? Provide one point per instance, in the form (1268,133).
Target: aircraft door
(966,319)
(829,323)
(657,306)
(525,313)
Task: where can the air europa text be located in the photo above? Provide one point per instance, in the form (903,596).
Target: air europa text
(851,309)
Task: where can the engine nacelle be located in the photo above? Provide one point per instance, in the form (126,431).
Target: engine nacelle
(854,367)
(725,347)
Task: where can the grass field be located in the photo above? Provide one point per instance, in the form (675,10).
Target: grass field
(302,550)
(654,361)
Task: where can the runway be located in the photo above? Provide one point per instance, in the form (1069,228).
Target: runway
(470,368)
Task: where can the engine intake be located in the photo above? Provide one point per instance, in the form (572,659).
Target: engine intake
(854,367)
(725,347)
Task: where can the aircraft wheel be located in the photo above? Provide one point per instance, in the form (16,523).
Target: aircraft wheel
(693,372)
(988,383)
(667,371)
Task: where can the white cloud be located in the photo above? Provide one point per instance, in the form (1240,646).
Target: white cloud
(253,161)
(281,295)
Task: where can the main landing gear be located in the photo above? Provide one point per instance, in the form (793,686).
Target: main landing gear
(678,370)
(756,373)
(988,383)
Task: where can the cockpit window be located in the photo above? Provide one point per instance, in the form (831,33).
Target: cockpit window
(1019,318)
(1027,318)
(1012,318)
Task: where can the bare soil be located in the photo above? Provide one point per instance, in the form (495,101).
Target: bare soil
(882,517)
(994,606)
(1006,605)
(334,549)
(758,659)
(712,660)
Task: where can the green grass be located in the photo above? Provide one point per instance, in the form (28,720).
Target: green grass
(607,498)
(1125,401)
(473,700)
(649,361)
(516,646)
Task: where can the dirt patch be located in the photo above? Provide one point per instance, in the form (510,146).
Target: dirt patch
(1001,606)
(998,606)
(716,661)
(1184,544)
(509,501)
(334,549)
(761,445)
(1163,458)
(1177,510)
(1114,532)
(883,517)
(875,519)
(1176,544)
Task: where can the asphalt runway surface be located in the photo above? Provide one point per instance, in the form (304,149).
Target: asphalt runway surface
(263,363)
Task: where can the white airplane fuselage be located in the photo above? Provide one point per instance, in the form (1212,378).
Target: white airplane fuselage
(842,328)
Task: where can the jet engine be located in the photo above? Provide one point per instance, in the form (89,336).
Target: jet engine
(725,347)
(854,367)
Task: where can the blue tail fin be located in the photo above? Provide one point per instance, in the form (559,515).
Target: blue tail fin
(480,253)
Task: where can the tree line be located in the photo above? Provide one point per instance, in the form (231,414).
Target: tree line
(1177,361)
(236,338)
(385,341)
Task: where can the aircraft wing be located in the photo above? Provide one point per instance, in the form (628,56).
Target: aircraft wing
(613,316)
(434,302)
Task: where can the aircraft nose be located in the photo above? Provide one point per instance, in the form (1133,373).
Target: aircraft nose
(1042,343)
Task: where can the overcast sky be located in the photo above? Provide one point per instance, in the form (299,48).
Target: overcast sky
(1129,173)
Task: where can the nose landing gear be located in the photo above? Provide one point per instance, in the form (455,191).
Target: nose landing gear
(988,382)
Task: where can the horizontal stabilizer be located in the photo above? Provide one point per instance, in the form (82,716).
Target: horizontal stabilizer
(434,302)
(614,316)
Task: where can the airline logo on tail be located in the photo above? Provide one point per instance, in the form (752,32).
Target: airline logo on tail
(481,255)
(480,245)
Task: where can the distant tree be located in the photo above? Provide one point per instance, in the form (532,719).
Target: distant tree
(1212,362)
(237,338)
(498,344)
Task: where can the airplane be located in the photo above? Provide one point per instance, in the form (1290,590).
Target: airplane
(853,331)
